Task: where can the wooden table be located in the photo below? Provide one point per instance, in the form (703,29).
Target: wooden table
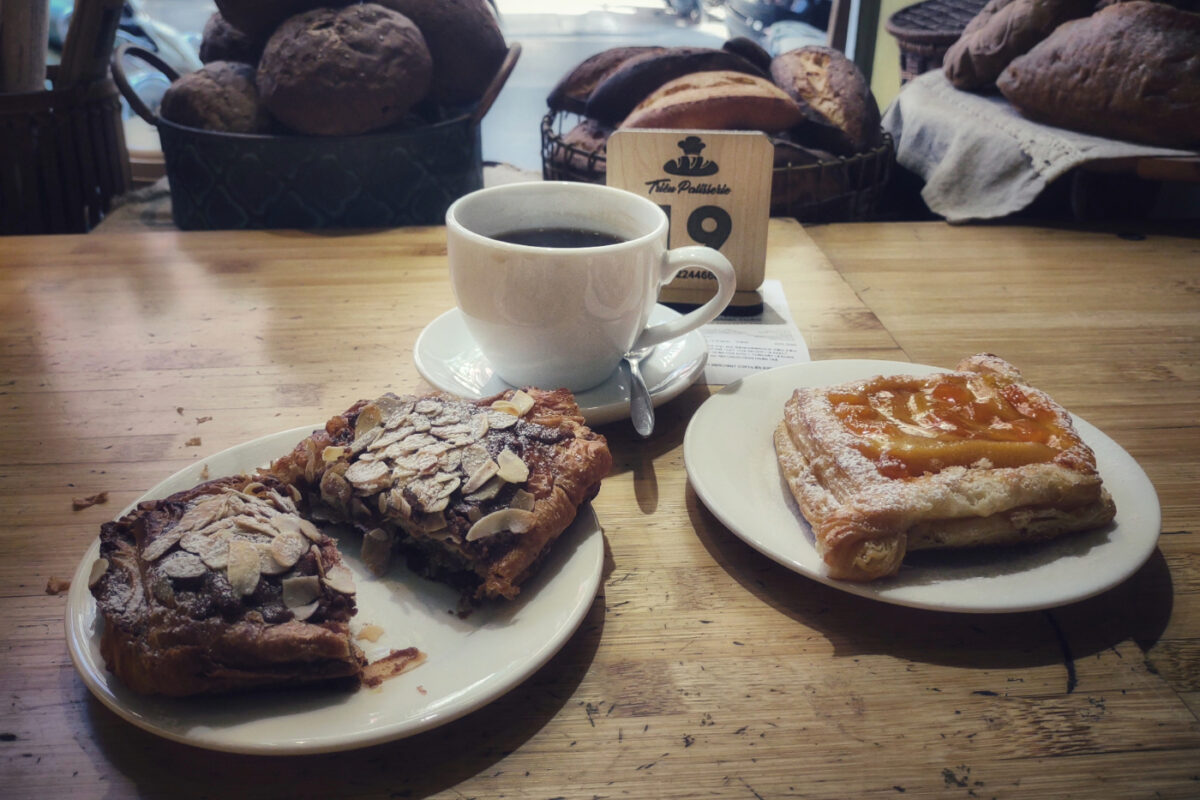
(702,669)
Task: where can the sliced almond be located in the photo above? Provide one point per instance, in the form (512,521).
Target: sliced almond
(243,569)
(512,468)
(182,565)
(161,544)
(522,401)
(202,514)
(369,417)
(486,492)
(473,457)
(340,579)
(522,500)
(301,590)
(332,453)
(288,548)
(428,406)
(361,443)
(377,550)
(99,567)
(501,420)
(507,407)
(267,565)
(369,477)
(481,475)
(302,613)
(248,524)
(335,489)
(506,519)
(479,426)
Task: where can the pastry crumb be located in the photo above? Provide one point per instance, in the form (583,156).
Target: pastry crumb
(394,663)
(192,442)
(57,585)
(370,633)
(202,420)
(79,503)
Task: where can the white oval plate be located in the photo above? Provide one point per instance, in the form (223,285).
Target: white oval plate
(470,661)
(730,458)
(448,357)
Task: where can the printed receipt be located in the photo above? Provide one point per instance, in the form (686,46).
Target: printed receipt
(742,345)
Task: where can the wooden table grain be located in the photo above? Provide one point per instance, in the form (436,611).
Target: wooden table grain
(702,668)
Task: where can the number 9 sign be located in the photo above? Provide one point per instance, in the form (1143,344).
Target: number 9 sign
(715,187)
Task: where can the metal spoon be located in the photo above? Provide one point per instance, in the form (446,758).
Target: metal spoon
(641,409)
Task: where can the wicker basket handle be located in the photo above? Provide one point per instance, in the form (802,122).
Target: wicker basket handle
(118,72)
(497,83)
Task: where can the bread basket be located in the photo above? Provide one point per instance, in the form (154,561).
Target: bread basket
(837,189)
(398,177)
(924,32)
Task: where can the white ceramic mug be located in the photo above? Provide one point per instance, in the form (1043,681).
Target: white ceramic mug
(563,317)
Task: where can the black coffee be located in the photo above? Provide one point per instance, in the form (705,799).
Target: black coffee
(558,237)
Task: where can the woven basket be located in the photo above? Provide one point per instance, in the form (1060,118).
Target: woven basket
(842,189)
(62,158)
(925,31)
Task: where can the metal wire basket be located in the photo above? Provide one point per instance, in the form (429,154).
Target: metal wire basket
(837,189)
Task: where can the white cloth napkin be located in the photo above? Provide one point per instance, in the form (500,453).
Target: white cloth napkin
(979,157)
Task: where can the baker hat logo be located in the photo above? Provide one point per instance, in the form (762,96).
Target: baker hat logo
(690,163)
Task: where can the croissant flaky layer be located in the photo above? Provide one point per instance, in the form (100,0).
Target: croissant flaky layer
(962,459)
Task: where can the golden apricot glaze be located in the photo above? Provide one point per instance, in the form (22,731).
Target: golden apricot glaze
(916,427)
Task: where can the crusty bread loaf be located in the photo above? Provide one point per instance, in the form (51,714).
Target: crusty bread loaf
(1130,71)
(220,96)
(464,41)
(839,111)
(344,71)
(220,41)
(1001,31)
(722,100)
(637,78)
(572,91)
(259,18)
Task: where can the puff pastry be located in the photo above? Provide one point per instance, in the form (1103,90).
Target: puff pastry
(223,587)
(474,493)
(897,463)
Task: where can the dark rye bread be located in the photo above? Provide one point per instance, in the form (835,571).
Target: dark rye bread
(464,41)
(220,96)
(1130,71)
(573,89)
(344,71)
(259,18)
(637,78)
(223,587)
(839,111)
(220,41)
(1001,31)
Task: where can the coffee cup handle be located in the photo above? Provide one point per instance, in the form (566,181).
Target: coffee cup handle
(676,260)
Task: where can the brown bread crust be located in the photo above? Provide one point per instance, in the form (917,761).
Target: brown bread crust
(839,110)
(1130,71)
(1001,31)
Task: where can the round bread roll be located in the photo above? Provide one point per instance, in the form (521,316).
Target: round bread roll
(722,100)
(840,113)
(223,42)
(464,41)
(259,18)
(220,96)
(339,72)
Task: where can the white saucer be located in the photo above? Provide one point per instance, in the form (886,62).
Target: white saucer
(447,356)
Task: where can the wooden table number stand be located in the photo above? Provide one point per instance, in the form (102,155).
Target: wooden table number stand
(716,189)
